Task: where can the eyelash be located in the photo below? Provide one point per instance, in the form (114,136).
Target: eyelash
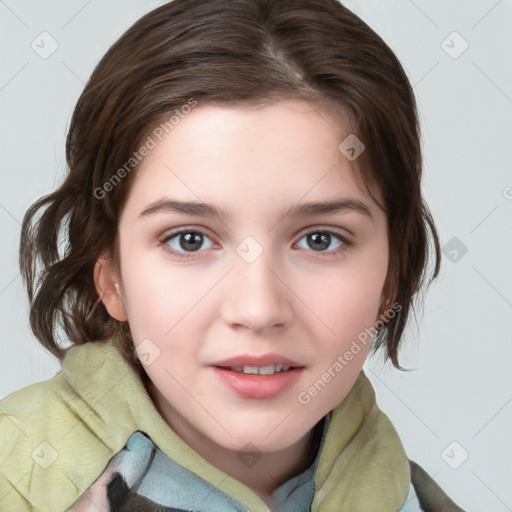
(320,254)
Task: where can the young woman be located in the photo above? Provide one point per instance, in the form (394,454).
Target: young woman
(242,223)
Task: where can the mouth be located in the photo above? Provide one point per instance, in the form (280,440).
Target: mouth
(258,377)
(258,364)
(270,369)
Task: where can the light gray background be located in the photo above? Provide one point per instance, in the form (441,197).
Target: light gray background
(460,350)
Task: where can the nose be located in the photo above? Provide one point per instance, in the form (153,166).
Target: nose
(257,297)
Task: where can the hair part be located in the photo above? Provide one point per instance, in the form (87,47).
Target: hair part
(242,52)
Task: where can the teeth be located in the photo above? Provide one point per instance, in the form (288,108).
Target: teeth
(261,370)
(267,370)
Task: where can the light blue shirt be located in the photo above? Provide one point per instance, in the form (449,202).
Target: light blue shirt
(151,474)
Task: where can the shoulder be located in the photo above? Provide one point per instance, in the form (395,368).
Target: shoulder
(45,428)
(25,417)
(58,435)
(29,408)
(29,401)
(37,411)
(429,494)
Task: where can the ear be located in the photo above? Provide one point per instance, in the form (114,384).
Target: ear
(107,285)
(388,295)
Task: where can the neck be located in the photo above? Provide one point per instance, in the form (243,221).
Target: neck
(263,472)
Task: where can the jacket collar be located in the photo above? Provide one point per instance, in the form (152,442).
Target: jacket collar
(362,465)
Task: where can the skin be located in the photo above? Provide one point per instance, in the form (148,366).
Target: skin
(296,300)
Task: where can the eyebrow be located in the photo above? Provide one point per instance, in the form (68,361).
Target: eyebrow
(200,209)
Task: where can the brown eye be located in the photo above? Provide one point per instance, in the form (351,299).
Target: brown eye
(320,241)
(190,241)
(182,243)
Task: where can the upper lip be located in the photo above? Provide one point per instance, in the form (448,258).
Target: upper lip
(258,361)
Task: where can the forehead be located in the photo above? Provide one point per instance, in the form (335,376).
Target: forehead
(249,156)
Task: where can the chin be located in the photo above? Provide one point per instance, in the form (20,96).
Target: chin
(261,436)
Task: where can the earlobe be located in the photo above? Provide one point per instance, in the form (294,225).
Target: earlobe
(107,286)
(387,298)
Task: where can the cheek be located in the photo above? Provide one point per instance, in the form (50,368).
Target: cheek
(164,300)
(347,301)
(151,300)
(342,339)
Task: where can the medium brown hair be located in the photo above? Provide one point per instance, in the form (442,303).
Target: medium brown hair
(236,52)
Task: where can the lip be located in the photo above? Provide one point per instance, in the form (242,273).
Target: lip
(251,360)
(257,386)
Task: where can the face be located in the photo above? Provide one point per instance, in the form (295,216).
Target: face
(240,294)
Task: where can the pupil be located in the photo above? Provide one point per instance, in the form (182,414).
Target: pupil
(320,240)
(189,241)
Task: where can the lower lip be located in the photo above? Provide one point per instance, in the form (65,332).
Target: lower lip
(258,386)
